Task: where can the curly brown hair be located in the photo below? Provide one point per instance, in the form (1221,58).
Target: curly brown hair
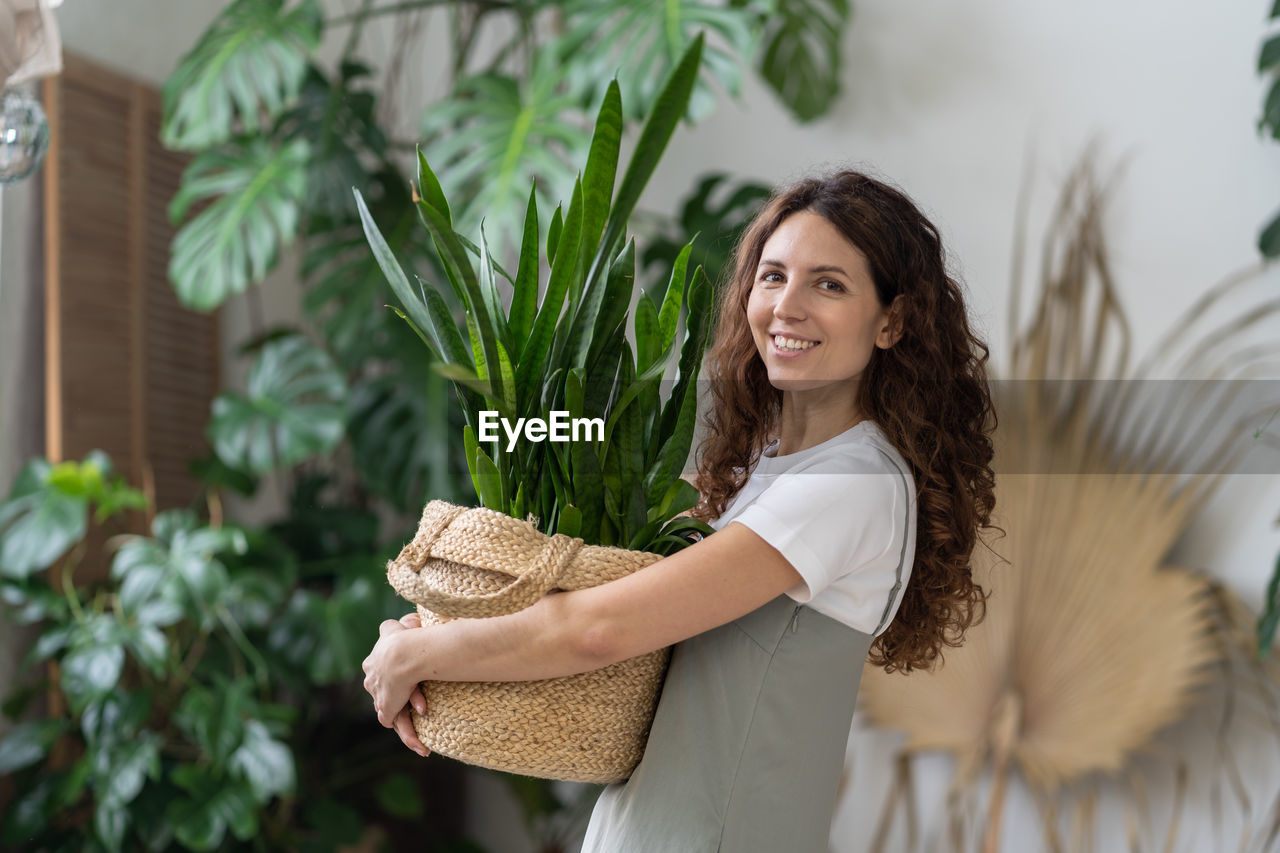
(928,393)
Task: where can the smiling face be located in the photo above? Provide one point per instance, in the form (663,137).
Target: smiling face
(813,309)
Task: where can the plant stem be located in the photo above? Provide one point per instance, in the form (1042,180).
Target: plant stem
(353,37)
(69,590)
(246,648)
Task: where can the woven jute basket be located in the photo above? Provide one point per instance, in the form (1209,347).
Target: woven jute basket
(476,563)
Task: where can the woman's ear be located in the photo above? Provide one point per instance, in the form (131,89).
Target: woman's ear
(893,324)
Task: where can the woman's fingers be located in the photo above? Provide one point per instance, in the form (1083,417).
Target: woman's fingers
(389,626)
(418,700)
(411,620)
(409,737)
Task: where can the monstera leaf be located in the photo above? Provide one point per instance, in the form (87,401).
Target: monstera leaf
(292,409)
(801,59)
(337,116)
(246,69)
(718,220)
(255,190)
(346,291)
(496,136)
(639,42)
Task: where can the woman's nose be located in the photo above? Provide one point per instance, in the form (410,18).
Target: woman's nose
(790,304)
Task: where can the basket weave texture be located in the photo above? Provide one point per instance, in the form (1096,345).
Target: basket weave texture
(476,563)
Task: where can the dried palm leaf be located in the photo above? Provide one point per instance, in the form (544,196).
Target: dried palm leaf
(1092,643)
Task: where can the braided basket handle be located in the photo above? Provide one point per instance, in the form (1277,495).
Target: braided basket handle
(542,575)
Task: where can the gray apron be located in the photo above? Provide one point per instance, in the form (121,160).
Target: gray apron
(748,742)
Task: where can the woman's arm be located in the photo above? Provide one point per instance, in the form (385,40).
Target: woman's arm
(699,588)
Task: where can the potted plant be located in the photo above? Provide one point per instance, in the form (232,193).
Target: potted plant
(576,512)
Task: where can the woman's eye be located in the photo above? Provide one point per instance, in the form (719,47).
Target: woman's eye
(832,286)
(771,276)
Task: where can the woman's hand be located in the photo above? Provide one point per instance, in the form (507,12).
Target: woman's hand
(388,681)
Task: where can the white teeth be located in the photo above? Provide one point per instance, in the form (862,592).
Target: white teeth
(791,343)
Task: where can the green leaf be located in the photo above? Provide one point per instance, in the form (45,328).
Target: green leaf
(150,647)
(431,192)
(648,336)
(640,41)
(250,63)
(524,299)
(570,523)
(403,437)
(334,820)
(1269,239)
(588,488)
(553,234)
(654,136)
(412,301)
(1269,56)
(127,766)
(214,718)
(529,368)
(1270,617)
(150,591)
(497,136)
(488,481)
(29,814)
(264,762)
(1271,110)
(255,192)
(399,796)
(216,474)
(602,167)
(214,804)
(110,820)
(293,409)
(29,742)
(39,522)
(717,215)
(91,671)
(674,298)
(675,446)
(338,116)
(801,59)
(483,322)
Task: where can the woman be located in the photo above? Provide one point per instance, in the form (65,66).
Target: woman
(847,472)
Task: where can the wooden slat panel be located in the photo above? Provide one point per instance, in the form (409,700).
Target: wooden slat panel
(95,311)
(181,375)
(130,370)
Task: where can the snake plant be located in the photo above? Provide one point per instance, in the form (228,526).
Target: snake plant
(570,353)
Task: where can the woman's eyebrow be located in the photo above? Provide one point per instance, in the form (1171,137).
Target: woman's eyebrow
(769,262)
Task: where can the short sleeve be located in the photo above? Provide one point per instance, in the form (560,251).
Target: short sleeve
(827,520)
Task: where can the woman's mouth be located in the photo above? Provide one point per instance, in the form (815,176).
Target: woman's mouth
(784,345)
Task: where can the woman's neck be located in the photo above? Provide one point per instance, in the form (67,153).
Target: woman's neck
(806,422)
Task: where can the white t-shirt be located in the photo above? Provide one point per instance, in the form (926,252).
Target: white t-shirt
(843,513)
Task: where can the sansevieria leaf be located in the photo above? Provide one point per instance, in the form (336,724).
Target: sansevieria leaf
(255,191)
(246,70)
(292,410)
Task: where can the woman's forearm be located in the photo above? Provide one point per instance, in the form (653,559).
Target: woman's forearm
(547,640)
